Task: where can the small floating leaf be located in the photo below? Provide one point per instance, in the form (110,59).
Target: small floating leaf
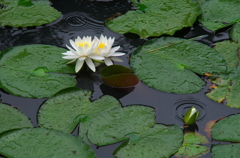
(226,87)
(66,109)
(235,32)
(40,142)
(11,118)
(119,76)
(227,129)
(113,126)
(172,68)
(226,151)
(159,141)
(218,14)
(35,71)
(24,13)
(155,18)
(191,147)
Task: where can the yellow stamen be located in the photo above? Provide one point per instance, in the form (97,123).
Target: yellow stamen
(101,45)
(82,44)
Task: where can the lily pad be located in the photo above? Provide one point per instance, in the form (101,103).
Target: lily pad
(191,147)
(40,142)
(226,151)
(226,86)
(174,66)
(155,18)
(35,71)
(24,13)
(227,129)
(218,14)
(11,118)
(119,76)
(114,126)
(159,141)
(66,109)
(235,32)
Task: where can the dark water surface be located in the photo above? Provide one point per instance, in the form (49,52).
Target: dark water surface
(84,18)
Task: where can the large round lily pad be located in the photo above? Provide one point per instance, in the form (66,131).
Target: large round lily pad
(226,86)
(11,118)
(24,13)
(218,14)
(66,109)
(114,126)
(40,142)
(175,66)
(155,17)
(159,141)
(35,71)
(226,151)
(227,129)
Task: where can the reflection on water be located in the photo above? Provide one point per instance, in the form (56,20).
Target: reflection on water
(84,18)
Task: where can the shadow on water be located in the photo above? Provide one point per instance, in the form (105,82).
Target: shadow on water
(84,18)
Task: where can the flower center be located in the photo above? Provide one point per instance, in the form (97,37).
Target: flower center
(82,44)
(101,45)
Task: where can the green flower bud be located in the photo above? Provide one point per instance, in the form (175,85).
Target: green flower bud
(191,116)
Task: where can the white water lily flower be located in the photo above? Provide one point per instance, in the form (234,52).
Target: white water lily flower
(83,51)
(104,49)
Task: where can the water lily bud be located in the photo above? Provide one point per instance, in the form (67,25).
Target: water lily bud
(191,116)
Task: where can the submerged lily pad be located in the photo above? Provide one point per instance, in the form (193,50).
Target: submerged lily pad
(35,71)
(11,118)
(226,151)
(155,18)
(119,76)
(114,126)
(24,13)
(226,86)
(67,108)
(172,68)
(159,141)
(40,142)
(191,147)
(227,129)
(218,14)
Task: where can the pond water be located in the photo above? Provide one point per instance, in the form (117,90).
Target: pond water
(84,18)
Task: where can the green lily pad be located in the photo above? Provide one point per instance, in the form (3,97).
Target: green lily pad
(11,118)
(218,14)
(227,129)
(235,32)
(191,148)
(114,126)
(35,71)
(155,18)
(226,87)
(118,76)
(24,13)
(173,68)
(226,151)
(66,109)
(40,142)
(159,141)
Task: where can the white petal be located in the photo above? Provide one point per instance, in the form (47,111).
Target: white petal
(113,50)
(79,65)
(108,61)
(117,54)
(73,44)
(68,53)
(116,59)
(90,64)
(96,57)
(70,57)
(82,58)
